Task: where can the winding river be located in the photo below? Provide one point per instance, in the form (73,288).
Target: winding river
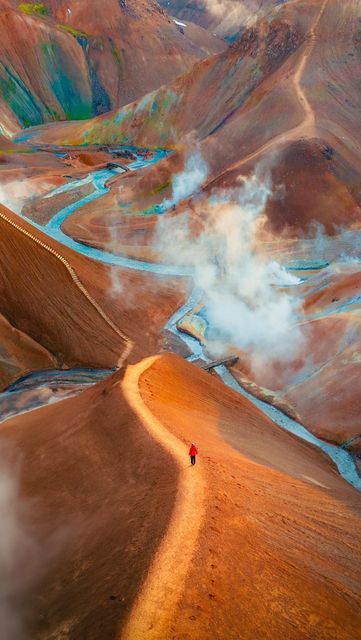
(99,179)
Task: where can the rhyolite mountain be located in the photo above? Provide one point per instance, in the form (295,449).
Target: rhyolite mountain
(287,88)
(76,59)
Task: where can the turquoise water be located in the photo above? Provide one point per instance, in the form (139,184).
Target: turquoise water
(340,457)
(99,179)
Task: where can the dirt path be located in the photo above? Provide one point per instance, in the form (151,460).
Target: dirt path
(307,126)
(251,522)
(309,120)
(152,613)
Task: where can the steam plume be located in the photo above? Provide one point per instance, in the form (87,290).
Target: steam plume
(19,551)
(116,284)
(189,180)
(16,193)
(230,15)
(246,306)
(23,557)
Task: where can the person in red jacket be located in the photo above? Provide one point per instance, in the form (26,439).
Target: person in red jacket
(193,452)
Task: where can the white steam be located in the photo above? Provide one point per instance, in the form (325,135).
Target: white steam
(188,181)
(16,193)
(19,552)
(116,283)
(230,15)
(245,304)
(24,558)
(222,8)
(114,233)
(344,246)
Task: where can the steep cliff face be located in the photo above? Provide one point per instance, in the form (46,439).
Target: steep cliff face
(75,60)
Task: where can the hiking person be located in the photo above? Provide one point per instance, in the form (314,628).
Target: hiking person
(193,452)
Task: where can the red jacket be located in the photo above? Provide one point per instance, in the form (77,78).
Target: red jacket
(193,450)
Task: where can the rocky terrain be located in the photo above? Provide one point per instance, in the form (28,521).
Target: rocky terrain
(180,262)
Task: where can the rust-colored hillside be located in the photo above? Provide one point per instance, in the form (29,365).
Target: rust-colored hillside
(193,549)
(64,302)
(72,60)
(199,209)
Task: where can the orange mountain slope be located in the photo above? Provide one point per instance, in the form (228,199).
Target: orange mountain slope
(320,386)
(155,548)
(66,302)
(20,354)
(262,514)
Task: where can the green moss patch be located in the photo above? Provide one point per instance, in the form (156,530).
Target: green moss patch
(33,8)
(117,57)
(74,32)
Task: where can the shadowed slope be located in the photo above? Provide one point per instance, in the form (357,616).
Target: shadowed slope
(106,490)
(42,296)
(75,307)
(19,354)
